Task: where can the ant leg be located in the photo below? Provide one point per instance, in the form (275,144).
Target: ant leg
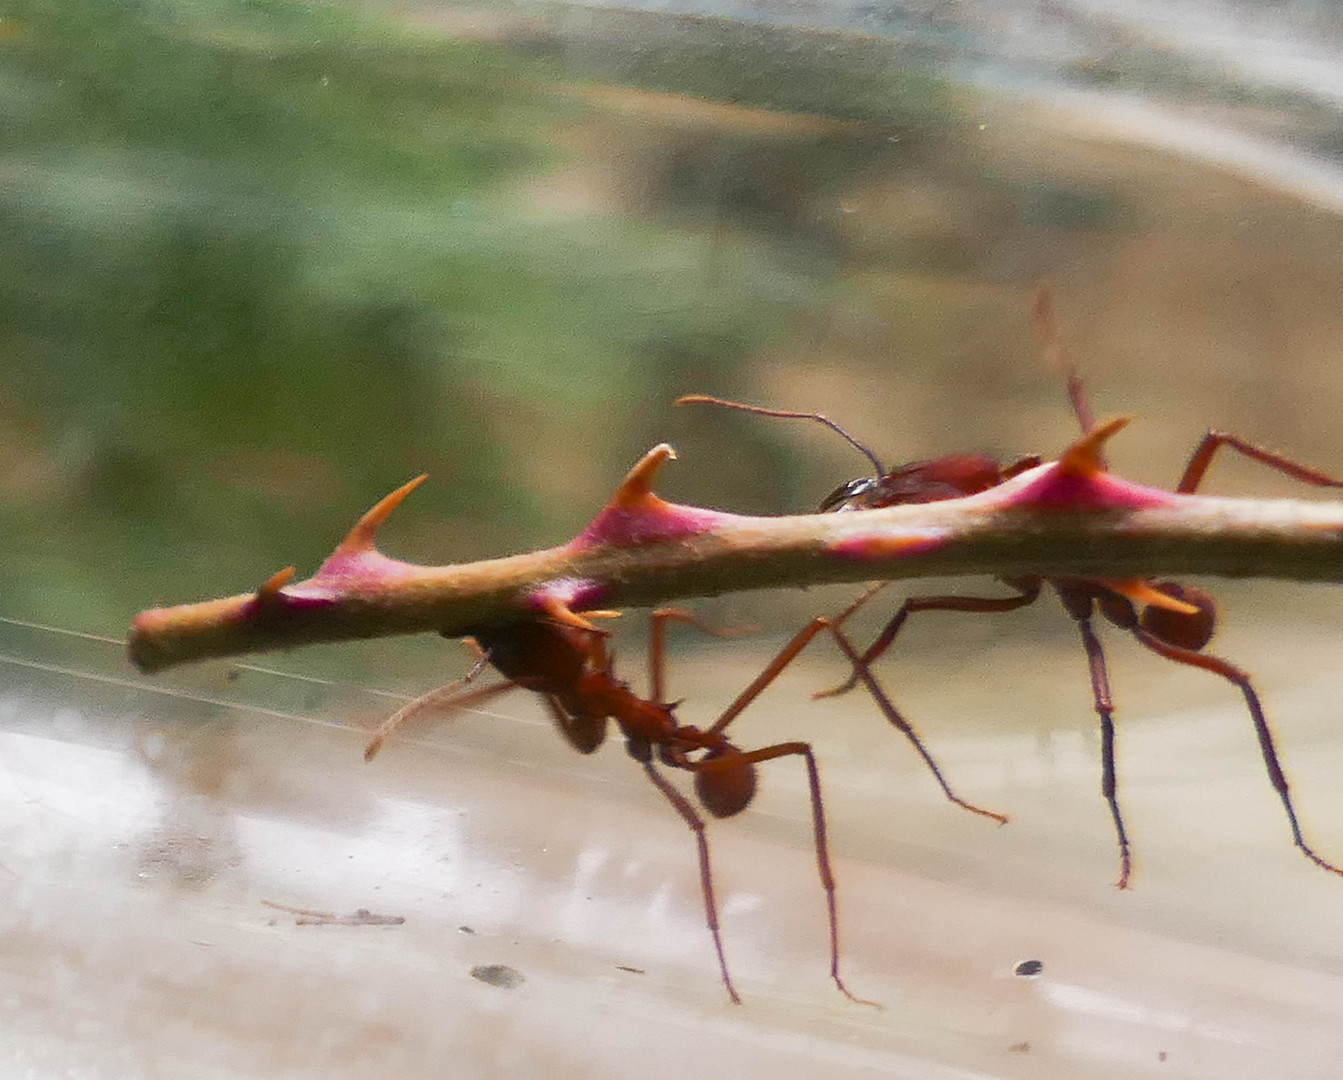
(696,824)
(657,641)
(1029,592)
(768,753)
(893,715)
(1100,692)
(1234,675)
(1213,440)
(789,653)
(449,695)
(786,656)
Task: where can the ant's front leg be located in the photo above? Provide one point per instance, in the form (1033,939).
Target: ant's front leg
(449,695)
(695,823)
(729,760)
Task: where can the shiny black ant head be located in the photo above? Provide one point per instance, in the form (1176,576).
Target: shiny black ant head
(851,496)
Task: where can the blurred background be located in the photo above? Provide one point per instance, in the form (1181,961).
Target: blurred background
(264,260)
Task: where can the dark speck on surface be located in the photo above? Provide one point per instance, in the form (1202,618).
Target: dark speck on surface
(500,975)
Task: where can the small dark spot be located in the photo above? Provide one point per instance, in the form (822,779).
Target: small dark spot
(1161,1056)
(1028,969)
(234,675)
(465,930)
(1019,1048)
(632,971)
(500,975)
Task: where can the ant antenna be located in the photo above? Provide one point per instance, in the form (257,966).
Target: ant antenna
(706,399)
(1056,358)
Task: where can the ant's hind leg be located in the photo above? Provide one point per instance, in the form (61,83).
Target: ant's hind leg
(1264,733)
(1100,692)
(1215,440)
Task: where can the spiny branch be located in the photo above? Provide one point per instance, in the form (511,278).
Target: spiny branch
(1066,517)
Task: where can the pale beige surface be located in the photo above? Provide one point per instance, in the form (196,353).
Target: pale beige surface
(141,832)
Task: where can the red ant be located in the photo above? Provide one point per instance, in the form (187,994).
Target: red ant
(563,658)
(1175,621)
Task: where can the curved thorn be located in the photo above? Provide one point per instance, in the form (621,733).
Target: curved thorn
(638,483)
(270,589)
(558,611)
(361,537)
(1083,458)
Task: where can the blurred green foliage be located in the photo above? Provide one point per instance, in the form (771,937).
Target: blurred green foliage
(265,259)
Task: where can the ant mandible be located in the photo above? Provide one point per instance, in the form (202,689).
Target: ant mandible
(563,657)
(1172,620)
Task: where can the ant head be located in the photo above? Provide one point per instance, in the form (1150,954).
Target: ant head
(1176,628)
(728,790)
(850,496)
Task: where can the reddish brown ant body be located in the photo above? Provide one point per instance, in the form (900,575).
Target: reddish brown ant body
(563,658)
(1172,620)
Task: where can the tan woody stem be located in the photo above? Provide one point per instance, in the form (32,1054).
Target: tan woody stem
(1067,517)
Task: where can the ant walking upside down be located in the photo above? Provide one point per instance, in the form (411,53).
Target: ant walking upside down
(563,657)
(1172,620)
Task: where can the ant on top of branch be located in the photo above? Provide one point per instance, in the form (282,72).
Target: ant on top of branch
(1172,620)
(563,658)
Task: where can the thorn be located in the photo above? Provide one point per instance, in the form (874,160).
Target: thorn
(270,589)
(1083,458)
(1146,595)
(362,535)
(560,612)
(638,484)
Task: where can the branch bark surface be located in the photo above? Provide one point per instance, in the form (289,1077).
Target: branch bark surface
(1065,518)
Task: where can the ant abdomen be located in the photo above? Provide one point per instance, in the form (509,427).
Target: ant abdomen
(1190,632)
(728,791)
